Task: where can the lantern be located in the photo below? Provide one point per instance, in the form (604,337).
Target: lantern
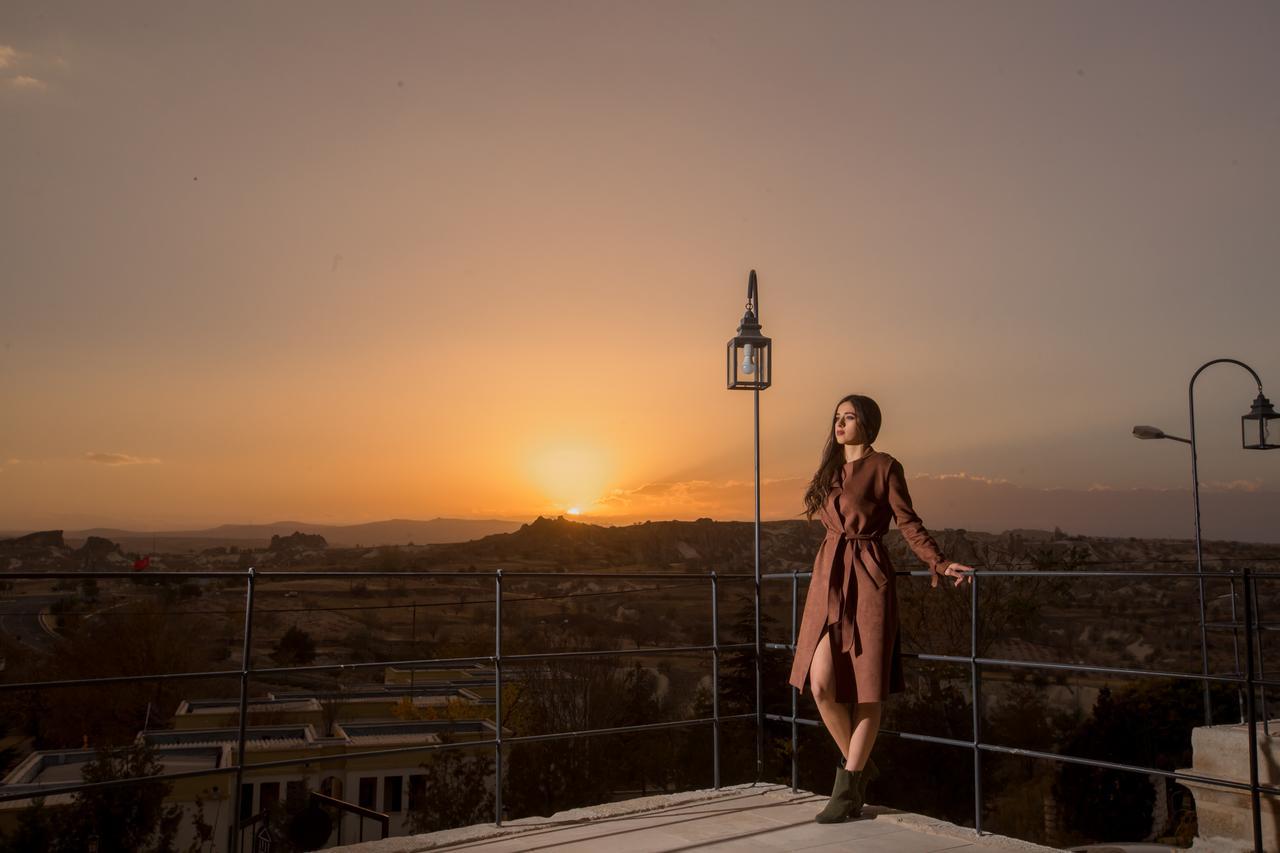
(750,354)
(1256,428)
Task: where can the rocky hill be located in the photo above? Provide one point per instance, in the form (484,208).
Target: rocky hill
(787,546)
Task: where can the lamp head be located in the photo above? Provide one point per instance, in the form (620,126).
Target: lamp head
(1148,432)
(1257,427)
(750,356)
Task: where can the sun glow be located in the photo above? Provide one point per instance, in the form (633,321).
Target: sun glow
(571,475)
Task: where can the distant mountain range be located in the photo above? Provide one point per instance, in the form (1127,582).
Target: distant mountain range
(397,531)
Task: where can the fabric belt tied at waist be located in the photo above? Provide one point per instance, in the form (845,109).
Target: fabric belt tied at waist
(837,604)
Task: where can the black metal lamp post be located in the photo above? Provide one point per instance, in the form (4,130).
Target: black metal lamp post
(1255,434)
(750,368)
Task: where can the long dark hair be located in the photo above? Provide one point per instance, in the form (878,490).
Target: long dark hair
(868,414)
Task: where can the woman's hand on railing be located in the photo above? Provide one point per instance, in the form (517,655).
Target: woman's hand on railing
(958,571)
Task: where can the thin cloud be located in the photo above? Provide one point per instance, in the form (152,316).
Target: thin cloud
(1234,486)
(963,475)
(8,56)
(119,459)
(713,498)
(27,83)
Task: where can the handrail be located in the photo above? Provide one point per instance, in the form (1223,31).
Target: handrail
(1250,680)
(246,672)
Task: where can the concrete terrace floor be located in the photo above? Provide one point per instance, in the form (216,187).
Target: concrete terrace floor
(741,817)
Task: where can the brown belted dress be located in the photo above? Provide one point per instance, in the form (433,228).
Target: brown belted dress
(852,594)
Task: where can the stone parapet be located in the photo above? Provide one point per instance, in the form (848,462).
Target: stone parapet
(1224,815)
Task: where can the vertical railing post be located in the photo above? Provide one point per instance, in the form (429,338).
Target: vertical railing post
(233,843)
(976,680)
(1262,665)
(1251,710)
(1235,643)
(715,681)
(795,734)
(497,701)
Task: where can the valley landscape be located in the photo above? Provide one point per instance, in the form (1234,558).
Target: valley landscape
(399,602)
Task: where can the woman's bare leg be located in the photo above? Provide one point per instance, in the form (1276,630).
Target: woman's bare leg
(822,681)
(866,725)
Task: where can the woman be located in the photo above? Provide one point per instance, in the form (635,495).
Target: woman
(848,640)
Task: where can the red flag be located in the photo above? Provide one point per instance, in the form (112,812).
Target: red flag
(141,563)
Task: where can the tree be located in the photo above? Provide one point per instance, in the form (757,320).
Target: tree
(116,819)
(459,789)
(127,644)
(295,648)
(1147,725)
(35,831)
(738,696)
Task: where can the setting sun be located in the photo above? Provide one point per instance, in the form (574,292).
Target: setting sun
(571,475)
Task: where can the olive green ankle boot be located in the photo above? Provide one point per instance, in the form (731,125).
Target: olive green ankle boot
(846,797)
(869,774)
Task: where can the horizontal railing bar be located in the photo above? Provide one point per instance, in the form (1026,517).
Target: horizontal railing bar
(506,573)
(139,574)
(313,575)
(117,679)
(1053,573)
(1079,667)
(1052,756)
(438,663)
(1131,768)
(1073,667)
(947,741)
(441,663)
(639,727)
(445,663)
(369,753)
(639,651)
(798,720)
(1092,573)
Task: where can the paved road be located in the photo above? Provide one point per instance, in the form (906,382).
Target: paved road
(18,620)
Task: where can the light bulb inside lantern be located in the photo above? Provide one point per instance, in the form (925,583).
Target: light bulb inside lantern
(748,359)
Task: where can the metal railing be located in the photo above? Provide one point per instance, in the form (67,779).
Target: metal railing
(1246,682)
(246,672)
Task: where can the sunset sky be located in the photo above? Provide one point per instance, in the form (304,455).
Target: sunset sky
(341,262)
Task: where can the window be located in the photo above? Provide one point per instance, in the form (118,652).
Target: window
(417,791)
(391,787)
(268,795)
(294,791)
(369,792)
(246,801)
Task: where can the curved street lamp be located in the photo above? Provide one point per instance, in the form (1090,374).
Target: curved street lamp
(1256,433)
(750,368)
